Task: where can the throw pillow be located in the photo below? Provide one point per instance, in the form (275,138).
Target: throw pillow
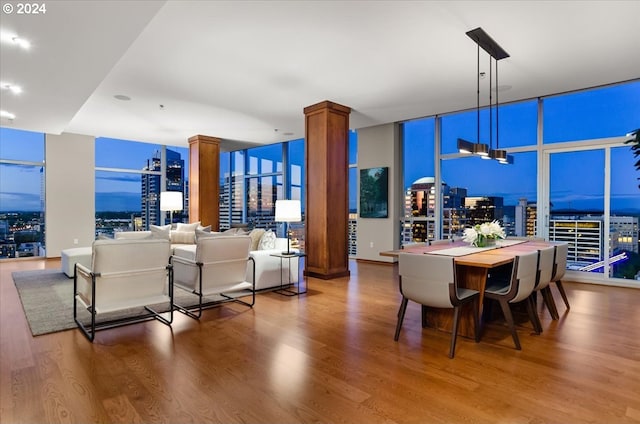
(206,229)
(161,231)
(267,241)
(183,237)
(256,234)
(187,227)
(200,234)
(133,235)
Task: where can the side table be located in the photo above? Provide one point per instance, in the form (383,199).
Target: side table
(286,290)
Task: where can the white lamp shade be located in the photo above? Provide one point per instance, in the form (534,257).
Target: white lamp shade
(288,211)
(171,201)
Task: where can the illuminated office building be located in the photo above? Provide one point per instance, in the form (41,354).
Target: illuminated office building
(526,216)
(151,186)
(483,209)
(420,211)
(585,239)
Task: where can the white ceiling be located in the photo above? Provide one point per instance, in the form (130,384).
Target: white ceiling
(245,70)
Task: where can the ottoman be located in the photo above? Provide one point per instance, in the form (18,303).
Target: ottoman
(69,258)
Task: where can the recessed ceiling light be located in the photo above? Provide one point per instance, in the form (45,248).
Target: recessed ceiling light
(5,114)
(15,89)
(25,44)
(14,39)
(122,97)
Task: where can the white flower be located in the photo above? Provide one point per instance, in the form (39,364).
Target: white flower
(470,235)
(486,230)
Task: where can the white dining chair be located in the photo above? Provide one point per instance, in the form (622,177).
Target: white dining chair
(430,280)
(543,279)
(559,268)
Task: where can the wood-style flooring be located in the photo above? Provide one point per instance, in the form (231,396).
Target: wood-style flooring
(326,357)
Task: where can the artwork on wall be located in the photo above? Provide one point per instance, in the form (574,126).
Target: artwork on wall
(374,192)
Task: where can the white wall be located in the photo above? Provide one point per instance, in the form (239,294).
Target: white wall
(379,146)
(70,192)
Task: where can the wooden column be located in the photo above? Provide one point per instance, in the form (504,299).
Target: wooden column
(327,190)
(204,177)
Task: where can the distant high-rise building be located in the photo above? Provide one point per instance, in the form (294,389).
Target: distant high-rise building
(151,186)
(526,218)
(224,203)
(353,234)
(420,211)
(626,232)
(483,209)
(584,236)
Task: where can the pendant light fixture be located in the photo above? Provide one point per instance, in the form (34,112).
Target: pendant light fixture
(496,53)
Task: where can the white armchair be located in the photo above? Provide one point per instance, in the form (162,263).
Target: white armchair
(124,274)
(216,267)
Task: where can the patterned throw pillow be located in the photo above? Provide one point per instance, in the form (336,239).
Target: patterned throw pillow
(256,234)
(183,237)
(161,231)
(267,241)
(187,227)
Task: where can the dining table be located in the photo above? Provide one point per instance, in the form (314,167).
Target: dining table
(473,267)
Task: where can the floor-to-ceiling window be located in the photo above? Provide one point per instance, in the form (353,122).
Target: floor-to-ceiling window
(593,200)
(294,187)
(263,182)
(419,206)
(22,213)
(571,176)
(129,179)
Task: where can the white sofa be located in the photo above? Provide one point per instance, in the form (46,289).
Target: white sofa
(267,268)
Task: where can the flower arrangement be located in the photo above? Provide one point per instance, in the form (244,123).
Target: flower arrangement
(482,234)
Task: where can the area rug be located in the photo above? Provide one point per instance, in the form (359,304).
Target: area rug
(47,300)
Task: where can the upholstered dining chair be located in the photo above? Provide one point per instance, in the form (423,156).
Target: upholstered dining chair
(559,268)
(545,272)
(430,280)
(519,288)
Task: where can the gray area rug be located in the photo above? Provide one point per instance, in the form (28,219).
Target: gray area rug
(47,300)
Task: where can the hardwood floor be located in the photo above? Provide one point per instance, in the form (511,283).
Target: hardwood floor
(326,357)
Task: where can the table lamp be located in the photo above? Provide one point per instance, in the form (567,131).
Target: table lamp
(288,211)
(171,201)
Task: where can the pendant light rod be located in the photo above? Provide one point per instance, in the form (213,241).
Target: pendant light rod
(478,95)
(491,103)
(497,110)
